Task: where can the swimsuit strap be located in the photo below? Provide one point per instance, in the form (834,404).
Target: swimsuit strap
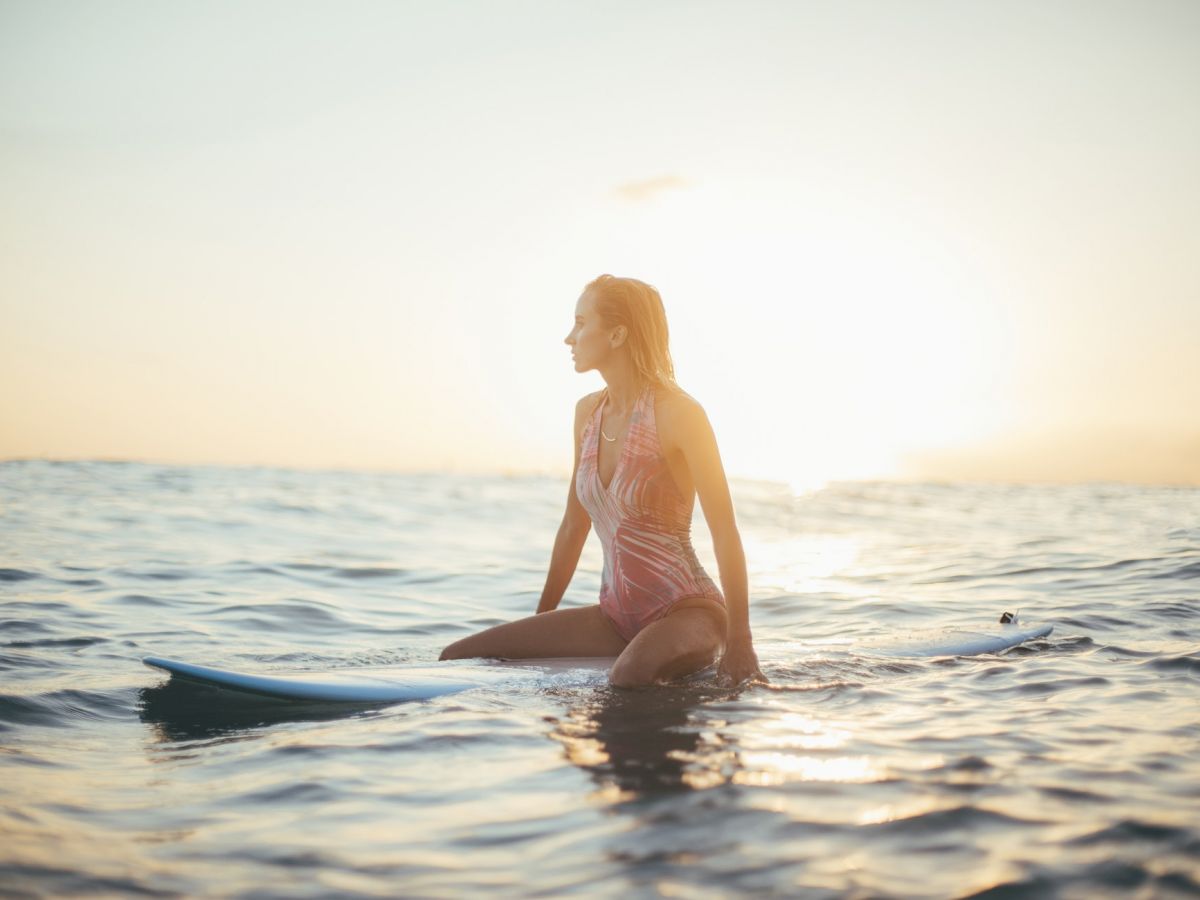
(591,430)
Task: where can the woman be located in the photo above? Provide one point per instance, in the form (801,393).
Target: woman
(643,451)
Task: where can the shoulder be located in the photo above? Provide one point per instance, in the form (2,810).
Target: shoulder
(680,415)
(585,406)
(678,404)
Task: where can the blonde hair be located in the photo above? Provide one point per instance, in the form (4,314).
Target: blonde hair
(637,306)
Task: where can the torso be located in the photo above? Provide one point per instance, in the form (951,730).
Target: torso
(609,452)
(640,500)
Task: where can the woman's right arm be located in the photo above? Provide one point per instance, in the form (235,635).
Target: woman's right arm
(576,523)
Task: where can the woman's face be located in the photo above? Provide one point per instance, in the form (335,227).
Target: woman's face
(590,341)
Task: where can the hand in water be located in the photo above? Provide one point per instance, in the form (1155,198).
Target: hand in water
(739,665)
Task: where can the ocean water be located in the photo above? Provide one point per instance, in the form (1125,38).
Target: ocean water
(1067,767)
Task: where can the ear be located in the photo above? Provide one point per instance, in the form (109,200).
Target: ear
(617,337)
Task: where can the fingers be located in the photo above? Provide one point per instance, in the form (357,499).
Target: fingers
(734,678)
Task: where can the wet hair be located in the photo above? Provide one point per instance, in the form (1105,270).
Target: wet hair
(637,306)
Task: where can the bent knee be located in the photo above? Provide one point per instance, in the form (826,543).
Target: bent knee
(457,650)
(630,674)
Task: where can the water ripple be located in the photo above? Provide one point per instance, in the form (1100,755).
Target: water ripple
(14,575)
(1064,767)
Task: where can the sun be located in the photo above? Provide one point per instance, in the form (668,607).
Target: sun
(825,340)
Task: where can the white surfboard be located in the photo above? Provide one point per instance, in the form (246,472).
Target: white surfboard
(397,684)
(394,684)
(955,641)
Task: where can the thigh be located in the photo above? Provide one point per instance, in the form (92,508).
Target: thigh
(686,640)
(581,631)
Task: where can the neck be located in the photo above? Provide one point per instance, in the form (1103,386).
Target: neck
(625,385)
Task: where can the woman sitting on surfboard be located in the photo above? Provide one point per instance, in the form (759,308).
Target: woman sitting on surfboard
(643,451)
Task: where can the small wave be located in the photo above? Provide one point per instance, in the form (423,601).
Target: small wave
(1183,663)
(53,881)
(18,625)
(1189,572)
(1128,652)
(1077,644)
(16,575)
(358,572)
(953,821)
(1097,622)
(141,600)
(69,643)
(1180,883)
(19,662)
(60,708)
(268,615)
(1074,795)
(1169,610)
(1062,572)
(299,659)
(1110,878)
(1056,684)
(299,792)
(20,757)
(41,608)
(257,569)
(157,574)
(1134,830)
(831,687)
(968,764)
(281,506)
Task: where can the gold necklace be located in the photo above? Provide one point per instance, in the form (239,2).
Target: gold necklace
(605,436)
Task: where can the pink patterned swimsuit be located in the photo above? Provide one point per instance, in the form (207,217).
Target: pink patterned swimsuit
(644,524)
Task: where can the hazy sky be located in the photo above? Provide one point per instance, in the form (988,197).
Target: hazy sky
(921,239)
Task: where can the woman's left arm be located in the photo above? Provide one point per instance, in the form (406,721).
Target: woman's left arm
(699,447)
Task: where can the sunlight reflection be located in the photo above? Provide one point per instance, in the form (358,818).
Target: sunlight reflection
(609,794)
(700,778)
(893,812)
(765,769)
(584,751)
(800,566)
(793,731)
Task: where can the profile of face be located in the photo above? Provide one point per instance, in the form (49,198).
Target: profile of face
(592,342)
